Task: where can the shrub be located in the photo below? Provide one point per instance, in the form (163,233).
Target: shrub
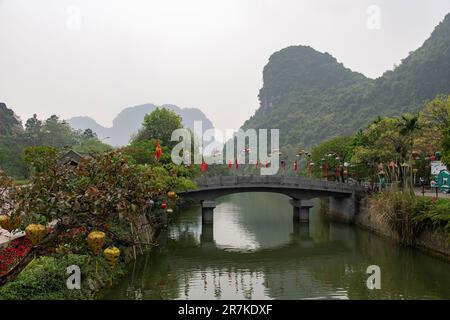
(45,279)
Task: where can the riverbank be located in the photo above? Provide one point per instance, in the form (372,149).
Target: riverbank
(45,276)
(419,226)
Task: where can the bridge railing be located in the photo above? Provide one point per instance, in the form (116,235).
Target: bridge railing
(302,181)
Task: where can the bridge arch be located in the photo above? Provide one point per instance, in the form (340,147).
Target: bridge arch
(299,189)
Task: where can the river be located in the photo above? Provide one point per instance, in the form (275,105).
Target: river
(255,251)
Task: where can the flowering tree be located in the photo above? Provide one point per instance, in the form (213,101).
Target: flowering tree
(103,190)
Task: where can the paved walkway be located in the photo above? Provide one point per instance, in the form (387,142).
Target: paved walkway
(431,193)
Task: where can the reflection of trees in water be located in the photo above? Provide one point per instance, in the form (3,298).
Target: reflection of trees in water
(405,273)
(320,261)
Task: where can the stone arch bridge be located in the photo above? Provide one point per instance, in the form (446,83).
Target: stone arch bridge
(300,189)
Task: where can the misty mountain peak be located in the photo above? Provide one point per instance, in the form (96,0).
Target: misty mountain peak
(130,119)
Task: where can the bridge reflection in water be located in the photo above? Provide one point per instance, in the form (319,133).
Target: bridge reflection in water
(255,251)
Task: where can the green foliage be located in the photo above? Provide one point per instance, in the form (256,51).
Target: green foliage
(88,144)
(310,97)
(433,214)
(409,215)
(52,132)
(143,152)
(45,279)
(341,147)
(159,125)
(11,153)
(40,159)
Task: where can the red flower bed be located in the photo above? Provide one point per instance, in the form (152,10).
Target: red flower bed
(13,254)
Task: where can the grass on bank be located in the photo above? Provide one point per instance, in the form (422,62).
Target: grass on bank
(409,214)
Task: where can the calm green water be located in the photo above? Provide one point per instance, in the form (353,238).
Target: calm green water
(254,251)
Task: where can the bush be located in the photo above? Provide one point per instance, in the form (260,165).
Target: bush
(434,214)
(45,279)
(408,214)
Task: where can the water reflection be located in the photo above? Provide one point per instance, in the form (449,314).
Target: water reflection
(255,251)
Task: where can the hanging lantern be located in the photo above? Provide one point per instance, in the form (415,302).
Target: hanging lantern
(172,195)
(158,150)
(96,240)
(392,165)
(111,255)
(8,223)
(35,233)
(163,205)
(169,211)
(204,166)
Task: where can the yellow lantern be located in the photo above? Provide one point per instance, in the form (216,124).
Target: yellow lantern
(172,195)
(96,240)
(169,210)
(8,223)
(35,232)
(111,255)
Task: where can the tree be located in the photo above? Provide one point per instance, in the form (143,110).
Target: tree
(89,134)
(33,131)
(385,141)
(57,133)
(159,125)
(341,149)
(91,145)
(434,121)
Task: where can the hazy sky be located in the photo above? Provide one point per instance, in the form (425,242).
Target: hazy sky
(96,57)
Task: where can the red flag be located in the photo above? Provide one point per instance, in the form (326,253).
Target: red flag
(158,151)
(237,165)
(230,165)
(204,166)
(295,166)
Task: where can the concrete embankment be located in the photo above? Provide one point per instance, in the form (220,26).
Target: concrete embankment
(434,242)
(367,216)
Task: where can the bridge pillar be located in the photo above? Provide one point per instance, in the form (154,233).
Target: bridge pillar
(208,211)
(207,235)
(301,210)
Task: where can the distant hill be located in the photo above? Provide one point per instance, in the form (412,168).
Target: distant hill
(129,120)
(311,97)
(9,122)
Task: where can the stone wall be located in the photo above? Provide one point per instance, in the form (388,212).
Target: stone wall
(430,241)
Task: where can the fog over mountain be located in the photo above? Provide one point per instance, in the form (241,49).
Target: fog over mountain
(129,120)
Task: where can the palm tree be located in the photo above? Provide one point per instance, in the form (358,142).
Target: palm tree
(408,125)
